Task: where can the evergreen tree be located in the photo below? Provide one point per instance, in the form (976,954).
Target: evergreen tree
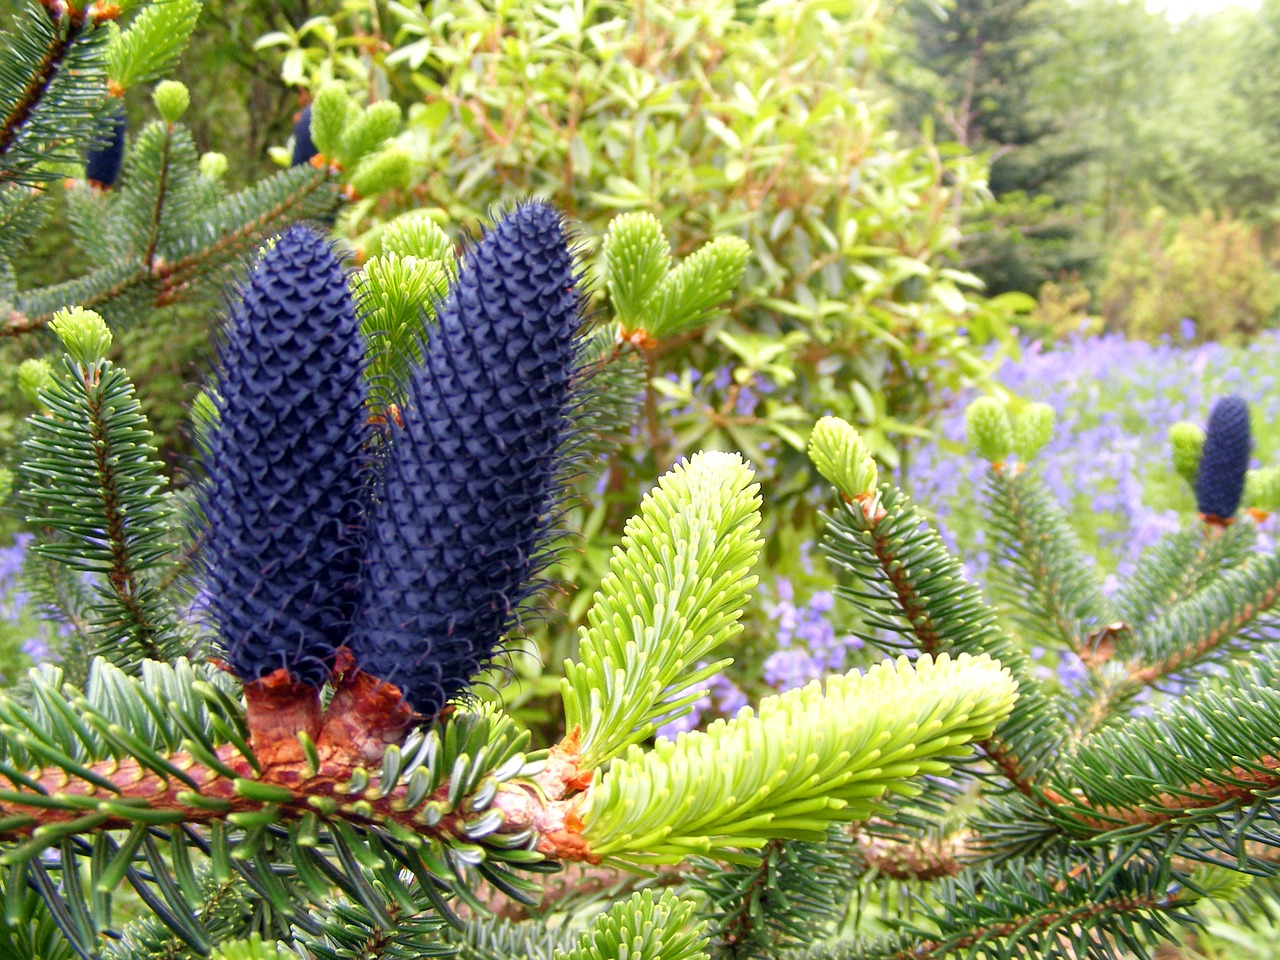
(975,69)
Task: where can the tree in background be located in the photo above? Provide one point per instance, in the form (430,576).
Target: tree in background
(974,68)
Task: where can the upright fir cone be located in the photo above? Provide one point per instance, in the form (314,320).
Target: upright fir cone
(1225,460)
(470,482)
(102,163)
(304,148)
(286,466)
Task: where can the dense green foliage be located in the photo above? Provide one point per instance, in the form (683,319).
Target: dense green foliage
(762,123)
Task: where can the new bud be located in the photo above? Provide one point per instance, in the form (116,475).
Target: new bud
(988,430)
(842,457)
(1186,443)
(84,333)
(171,99)
(1032,430)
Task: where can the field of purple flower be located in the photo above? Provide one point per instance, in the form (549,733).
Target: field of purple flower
(1109,463)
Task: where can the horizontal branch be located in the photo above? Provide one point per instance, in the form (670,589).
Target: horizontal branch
(169,281)
(273,774)
(1237,785)
(1051,919)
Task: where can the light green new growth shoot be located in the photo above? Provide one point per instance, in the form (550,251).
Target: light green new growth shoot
(656,300)
(988,430)
(1032,430)
(811,756)
(674,593)
(636,258)
(842,457)
(648,926)
(1186,441)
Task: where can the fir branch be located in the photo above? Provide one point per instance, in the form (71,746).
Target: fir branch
(52,84)
(1043,578)
(243,219)
(129,284)
(57,44)
(1036,910)
(225,910)
(92,475)
(90,470)
(1207,764)
(866,736)
(1209,625)
(151,44)
(785,900)
(161,190)
(913,588)
(351,932)
(117,285)
(1180,565)
(23,211)
(1206,623)
(174,747)
(674,593)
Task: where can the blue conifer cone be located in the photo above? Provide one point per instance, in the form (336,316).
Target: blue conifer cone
(102,163)
(286,465)
(304,148)
(1225,461)
(471,480)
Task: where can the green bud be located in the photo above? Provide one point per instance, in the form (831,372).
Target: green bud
(171,99)
(842,457)
(331,111)
(1262,489)
(1219,884)
(1032,430)
(83,333)
(987,428)
(213,166)
(1187,443)
(33,376)
(637,257)
(369,130)
(6,484)
(416,234)
(381,172)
